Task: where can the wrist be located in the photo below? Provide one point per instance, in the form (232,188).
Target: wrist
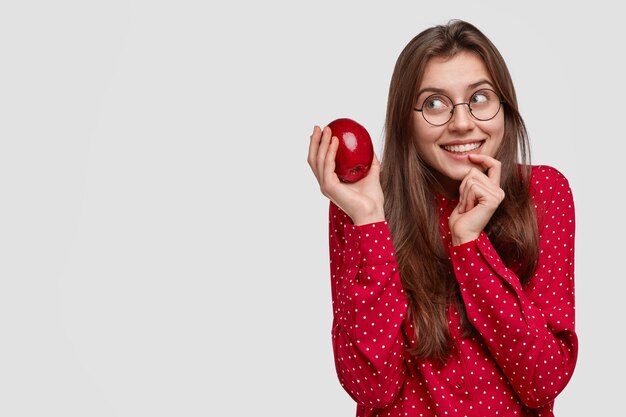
(374,216)
(458,240)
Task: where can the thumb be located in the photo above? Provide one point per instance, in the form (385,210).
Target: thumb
(374,170)
(375,164)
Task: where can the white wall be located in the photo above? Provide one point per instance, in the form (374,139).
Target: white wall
(162,242)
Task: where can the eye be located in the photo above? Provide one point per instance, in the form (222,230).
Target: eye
(483,97)
(480,97)
(436,103)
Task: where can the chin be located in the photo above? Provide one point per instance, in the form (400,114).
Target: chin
(458,173)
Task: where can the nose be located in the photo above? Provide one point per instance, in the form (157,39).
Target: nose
(461,118)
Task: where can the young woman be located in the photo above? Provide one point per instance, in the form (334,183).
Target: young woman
(452,262)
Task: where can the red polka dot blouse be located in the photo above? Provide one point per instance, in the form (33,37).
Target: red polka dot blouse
(525,348)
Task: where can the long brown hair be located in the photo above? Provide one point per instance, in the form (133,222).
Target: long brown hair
(409,189)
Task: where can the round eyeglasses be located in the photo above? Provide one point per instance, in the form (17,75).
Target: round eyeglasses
(483,105)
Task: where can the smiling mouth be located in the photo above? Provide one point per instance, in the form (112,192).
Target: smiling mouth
(465,148)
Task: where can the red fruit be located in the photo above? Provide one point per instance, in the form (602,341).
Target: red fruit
(355,152)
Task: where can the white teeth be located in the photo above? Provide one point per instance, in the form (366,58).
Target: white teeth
(463,148)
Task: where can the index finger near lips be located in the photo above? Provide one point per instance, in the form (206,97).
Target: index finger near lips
(492,165)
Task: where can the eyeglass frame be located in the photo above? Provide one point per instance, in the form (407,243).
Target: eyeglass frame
(469,107)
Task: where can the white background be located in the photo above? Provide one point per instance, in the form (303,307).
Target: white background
(163,246)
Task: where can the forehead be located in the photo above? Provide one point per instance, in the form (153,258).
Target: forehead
(456,73)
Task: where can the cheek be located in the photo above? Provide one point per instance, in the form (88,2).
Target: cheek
(496,132)
(424,135)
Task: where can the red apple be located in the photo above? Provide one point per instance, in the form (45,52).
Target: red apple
(355,151)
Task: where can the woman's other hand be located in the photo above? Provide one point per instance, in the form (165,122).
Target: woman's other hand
(479,197)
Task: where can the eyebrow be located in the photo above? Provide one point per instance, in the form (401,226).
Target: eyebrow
(442,91)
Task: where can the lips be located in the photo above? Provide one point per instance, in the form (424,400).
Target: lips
(463,147)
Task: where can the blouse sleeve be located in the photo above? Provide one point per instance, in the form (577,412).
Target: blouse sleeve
(529,331)
(369,305)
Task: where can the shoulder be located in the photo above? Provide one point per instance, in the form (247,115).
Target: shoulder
(546,180)
(550,188)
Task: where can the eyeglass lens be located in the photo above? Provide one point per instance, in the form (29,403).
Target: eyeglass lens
(483,105)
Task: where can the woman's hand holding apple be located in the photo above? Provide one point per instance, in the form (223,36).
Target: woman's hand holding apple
(361,200)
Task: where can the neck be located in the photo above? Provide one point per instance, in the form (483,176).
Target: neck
(447,187)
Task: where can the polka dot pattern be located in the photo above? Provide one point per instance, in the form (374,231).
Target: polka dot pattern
(525,349)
